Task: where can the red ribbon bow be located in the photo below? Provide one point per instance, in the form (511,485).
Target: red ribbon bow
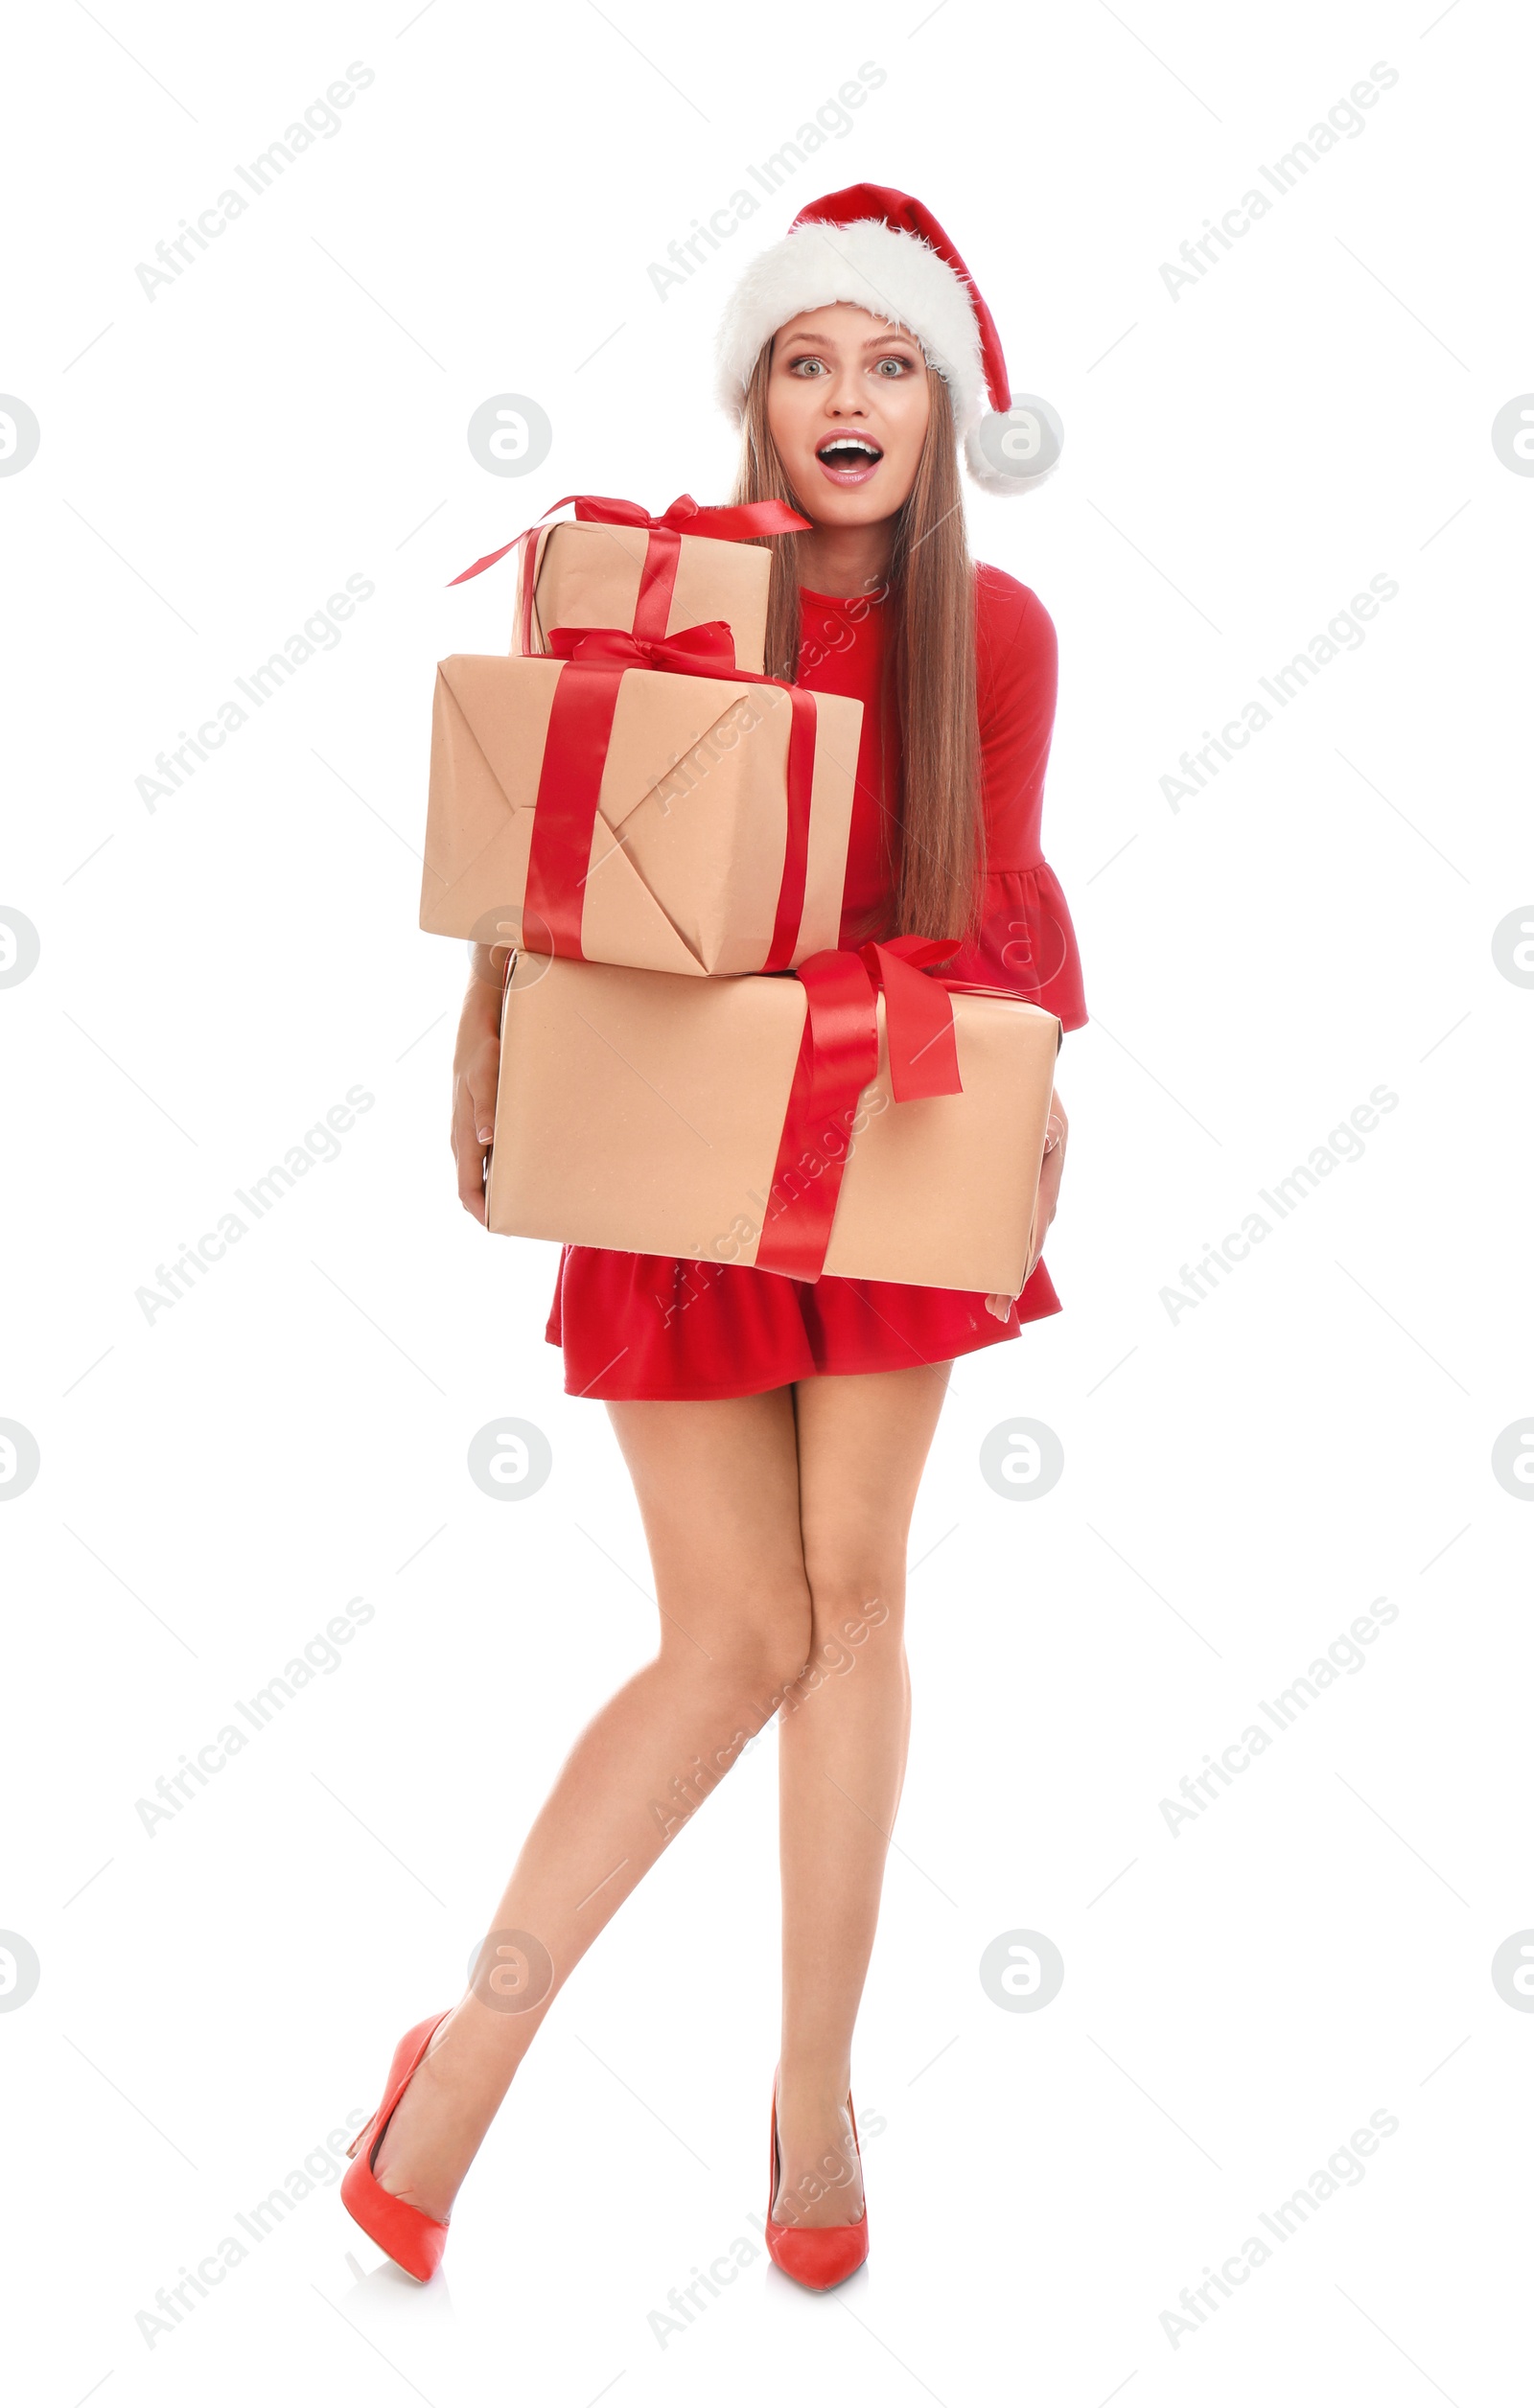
(838,1055)
(706,650)
(570,784)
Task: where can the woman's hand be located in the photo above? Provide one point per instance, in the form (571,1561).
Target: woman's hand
(475,1071)
(1049,1190)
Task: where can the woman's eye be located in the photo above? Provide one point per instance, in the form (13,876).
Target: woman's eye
(894,363)
(809,361)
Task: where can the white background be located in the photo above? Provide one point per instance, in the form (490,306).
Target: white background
(1240,1482)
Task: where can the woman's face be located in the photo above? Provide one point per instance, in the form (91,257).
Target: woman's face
(848,408)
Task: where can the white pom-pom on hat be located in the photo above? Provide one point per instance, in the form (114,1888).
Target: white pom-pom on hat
(882,251)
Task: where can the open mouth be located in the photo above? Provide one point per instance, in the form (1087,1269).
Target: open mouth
(848,459)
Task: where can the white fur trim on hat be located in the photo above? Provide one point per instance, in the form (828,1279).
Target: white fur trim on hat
(894,275)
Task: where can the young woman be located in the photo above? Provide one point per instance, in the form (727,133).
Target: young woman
(776,1430)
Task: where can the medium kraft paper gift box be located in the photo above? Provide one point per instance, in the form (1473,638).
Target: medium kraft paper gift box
(614,565)
(582,575)
(677,1117)
(685,818)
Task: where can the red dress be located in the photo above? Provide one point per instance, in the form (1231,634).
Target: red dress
(642,1324)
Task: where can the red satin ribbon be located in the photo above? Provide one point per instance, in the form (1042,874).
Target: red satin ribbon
(580,728)
(838,1055)
(706,650)
(730,523)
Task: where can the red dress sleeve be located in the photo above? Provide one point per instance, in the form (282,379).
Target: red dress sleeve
(1026,940)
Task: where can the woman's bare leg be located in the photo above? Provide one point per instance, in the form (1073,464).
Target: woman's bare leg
(863,1442)
(718,1489)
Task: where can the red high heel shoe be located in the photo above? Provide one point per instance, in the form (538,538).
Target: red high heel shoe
(819,2256)
(406,2233)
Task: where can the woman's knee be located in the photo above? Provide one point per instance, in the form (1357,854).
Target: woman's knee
(857,1596)
(754,1647)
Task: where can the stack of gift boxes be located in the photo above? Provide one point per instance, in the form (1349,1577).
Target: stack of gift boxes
(689,1065)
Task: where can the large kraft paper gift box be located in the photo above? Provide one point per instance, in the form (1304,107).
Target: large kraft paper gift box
(775,1121)
(614,565)
(594,805)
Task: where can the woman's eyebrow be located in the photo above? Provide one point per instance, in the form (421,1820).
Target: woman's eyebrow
(875,342)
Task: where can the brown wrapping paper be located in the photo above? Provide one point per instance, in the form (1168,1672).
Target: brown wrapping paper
(688,851)
(645,1113)
(588,575)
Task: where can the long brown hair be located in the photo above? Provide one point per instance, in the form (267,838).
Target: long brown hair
(934,839)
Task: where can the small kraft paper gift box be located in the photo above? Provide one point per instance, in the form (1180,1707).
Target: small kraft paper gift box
(614,565)
(860,1117)
(645,803)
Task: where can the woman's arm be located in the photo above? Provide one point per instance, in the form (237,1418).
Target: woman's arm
(1026,940)
(1048,1192)
(475,1069)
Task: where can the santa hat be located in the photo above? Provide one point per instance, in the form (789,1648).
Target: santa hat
(882,251)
